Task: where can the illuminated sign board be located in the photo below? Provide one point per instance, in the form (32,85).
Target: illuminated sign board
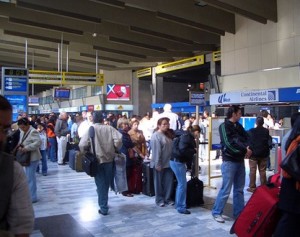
(15,89)
(118,92)
(19,104)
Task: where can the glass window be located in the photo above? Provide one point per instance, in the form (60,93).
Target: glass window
(96,90)
(79,93)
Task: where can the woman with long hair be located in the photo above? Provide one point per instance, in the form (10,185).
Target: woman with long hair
(161,145)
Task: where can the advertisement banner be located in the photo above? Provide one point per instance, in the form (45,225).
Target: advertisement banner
(118,92)
(19,104)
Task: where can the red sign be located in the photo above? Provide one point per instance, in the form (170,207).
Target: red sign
(118,91)
(90,108)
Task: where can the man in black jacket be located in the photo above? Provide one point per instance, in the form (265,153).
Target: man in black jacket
(259,144)
(235,147)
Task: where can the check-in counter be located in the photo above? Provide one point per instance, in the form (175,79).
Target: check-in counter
(277,135)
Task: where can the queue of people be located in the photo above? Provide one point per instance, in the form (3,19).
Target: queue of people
(123,135)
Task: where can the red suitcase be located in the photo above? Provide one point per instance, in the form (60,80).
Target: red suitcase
(134,177)
(260,215)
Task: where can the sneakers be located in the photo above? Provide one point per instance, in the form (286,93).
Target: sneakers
(161,204)
(171,203)
(218,218)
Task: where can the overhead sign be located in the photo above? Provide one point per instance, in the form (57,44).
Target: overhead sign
(15,89)
(144,72)
(118,92)
(245,97)
(290,94)
(33,101)
(216,56)
(65,78)
(112,107)
(180,64)
(197,98)
(15,84)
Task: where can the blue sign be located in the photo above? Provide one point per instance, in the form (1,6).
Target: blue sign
(15,84)
(19,104)
(289,94)
(83,108)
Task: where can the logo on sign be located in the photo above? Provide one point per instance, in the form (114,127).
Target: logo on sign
(272,95)
(298,91)
(223,99)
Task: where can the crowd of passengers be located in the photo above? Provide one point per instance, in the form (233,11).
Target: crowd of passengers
(150,139)
(52,134)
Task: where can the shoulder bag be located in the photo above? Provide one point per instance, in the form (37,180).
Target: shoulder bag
(23,157)
(89,160)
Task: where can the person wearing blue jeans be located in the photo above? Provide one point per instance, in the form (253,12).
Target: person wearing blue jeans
(106,141)
(43,149)
(235,147)
(31,178)
(30,141)
(183,151)
(179,170)
(102,180)
(233,173)
(52,148)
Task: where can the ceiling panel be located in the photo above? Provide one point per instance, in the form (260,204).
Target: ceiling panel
(127,34)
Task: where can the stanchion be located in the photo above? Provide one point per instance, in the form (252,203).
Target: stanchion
(209,162)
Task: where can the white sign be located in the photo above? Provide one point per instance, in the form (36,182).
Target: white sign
(245,97)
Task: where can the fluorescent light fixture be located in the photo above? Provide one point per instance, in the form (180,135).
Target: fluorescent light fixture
(271,69)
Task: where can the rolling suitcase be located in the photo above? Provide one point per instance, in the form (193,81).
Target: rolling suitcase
(260,215)
(78,161)
(72,154)
(147,178)
(194,192)
(135,184)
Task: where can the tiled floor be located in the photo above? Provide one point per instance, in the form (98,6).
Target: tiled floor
(65,191)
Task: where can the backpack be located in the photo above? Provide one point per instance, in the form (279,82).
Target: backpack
(183,148)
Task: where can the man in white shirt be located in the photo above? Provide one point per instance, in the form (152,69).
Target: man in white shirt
(174,121)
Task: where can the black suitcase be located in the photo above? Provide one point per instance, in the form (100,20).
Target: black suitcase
(148,182)
(194,192)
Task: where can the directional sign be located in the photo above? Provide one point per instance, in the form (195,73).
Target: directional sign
(15,84)
(197,98)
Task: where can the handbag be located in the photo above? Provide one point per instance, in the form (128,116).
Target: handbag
(120,179)
(291,163)
(24,158)
(89,160)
